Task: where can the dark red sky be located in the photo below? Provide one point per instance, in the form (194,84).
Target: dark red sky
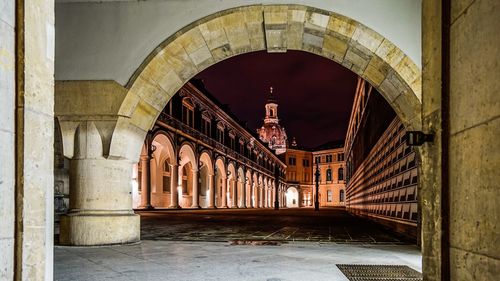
(314,94)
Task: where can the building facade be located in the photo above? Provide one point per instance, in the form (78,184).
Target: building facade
(271,131)
(199,156)
(300,175)
(382,171)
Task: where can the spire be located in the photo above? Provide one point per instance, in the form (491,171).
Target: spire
(271,98)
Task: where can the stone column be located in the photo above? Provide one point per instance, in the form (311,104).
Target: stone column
(243,194)
(174,186)
(100,204)
(234,187)
(196,203)
(145,182)
(224,192)
(211,187)
(265,196)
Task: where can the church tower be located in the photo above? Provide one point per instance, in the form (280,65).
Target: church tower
(271,132)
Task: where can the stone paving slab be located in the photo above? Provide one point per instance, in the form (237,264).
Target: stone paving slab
(330,225)
(176,260)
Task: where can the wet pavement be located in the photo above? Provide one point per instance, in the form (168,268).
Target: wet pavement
(329,225)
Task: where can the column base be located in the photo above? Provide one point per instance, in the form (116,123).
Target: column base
(99,229)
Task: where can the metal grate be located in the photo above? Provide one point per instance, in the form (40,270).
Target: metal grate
(364,272)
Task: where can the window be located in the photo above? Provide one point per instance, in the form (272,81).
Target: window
(166,176)
(329,175)
(292,161)
(205,126)
(232,143)
(188,112)
(341,174)
(340,157)
(220,135)
(329,194)
(342,195)
(317,159)
(328,158)
(305,162)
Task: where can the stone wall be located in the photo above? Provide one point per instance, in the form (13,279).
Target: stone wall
(26,139)
(7,138)
(474,146)
(460,191)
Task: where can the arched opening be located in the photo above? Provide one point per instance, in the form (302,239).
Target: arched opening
(292,197)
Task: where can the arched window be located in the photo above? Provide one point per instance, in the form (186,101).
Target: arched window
(342,195)
(329,175)
(341,174)
(166,176)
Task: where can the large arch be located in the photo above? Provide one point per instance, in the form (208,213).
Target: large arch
(162,164)
(206,188)
(221,183)
(232,186)
(275,28)
(188,177)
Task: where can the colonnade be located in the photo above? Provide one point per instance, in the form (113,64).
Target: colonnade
(184,178)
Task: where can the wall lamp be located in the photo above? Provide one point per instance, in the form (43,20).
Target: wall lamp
(417,138)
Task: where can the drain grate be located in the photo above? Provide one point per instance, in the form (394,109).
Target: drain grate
(365,272)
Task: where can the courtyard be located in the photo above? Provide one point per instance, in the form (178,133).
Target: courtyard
(227,244)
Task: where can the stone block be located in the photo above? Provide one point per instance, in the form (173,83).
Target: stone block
(295,34)
(342,25)
(127,140)
(213,33)
(144,115)
(7,14)
(191,40)
(130,102)
(99,97)
(176,58)
(7,176)
(458,8)
(407,107)
(408,70)
(358,59)
(296,15)
(474,178)
(6,260)
(275,14)
(334,47)
(312,43)
(376,71)
(470,266)
(202,57)
(389,53)
(101,229)
(156,93)
(367,38)
(474,54)
(7,74)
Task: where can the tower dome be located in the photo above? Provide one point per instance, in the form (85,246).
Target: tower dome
(271,131)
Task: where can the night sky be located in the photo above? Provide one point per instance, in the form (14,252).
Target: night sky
(314,94)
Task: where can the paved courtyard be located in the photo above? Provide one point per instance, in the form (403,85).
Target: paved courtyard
(239,245)
(328,225)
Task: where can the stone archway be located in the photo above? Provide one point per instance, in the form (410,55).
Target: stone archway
(275,28)
(118,133)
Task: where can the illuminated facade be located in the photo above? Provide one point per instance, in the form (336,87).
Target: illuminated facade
(300,178)
(271,132)
(381,169)
(198,156)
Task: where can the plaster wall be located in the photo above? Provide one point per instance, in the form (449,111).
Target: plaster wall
(108,40)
